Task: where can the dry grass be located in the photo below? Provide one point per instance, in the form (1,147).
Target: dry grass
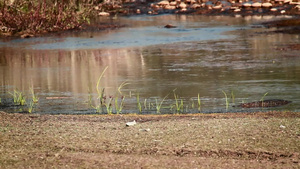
(244,140)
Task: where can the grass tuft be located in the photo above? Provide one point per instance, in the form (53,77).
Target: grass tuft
(226,99)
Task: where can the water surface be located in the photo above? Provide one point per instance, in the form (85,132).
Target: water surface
(204,55)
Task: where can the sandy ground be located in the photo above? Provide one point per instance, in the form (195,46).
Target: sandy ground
(228,140)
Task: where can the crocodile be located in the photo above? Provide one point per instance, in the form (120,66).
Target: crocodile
(265,103)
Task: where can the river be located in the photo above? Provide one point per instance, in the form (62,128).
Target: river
(209,56)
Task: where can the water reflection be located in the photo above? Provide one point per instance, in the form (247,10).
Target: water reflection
(248,65)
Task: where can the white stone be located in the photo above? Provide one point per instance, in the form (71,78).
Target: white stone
(287,1)
(237,10)
(183,10)
(266,5)
(182,5)
(256,5)
(246,4)
(282,126)
(193,1)
(273,9)
(163,3)
(173,3)
(103,14)
(168,7)
(295,3)
(217,7)
(194,6)
(132,123)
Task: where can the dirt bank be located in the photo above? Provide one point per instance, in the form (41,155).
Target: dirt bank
(230,140)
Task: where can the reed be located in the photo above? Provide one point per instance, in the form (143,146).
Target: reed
(192,103)
(119,107)
(90,99)
(139,106)
(30,107)
(22,99)
(111,104)
(100,94)
(100,91)
(262,99)
(121,86)
(226,99)
(108,106)
(35,99)
(178,103)
(232,97)
(145,104)
(18,97)
(199,103)
(158,105)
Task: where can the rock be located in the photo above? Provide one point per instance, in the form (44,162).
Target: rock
(266,5)
(26,35)
(193,2)
(273,9)
(287,1)
(132,123)
(147,130)
(237,10)
(163,3)
(183,10)
(182,5)
(295,3)
(173,3)
(234,7)
(195,6)
(170,26)
(246,5)
(282,126)
(103,14)
(217,7)
(168,7)
(256,5)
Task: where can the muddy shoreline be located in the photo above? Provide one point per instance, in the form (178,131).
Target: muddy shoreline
(247,140)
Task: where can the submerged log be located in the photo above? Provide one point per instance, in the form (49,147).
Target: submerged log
(265,103)
(170,26)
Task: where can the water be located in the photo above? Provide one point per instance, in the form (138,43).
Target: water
(205,55)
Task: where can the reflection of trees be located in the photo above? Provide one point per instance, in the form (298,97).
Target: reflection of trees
(70,71)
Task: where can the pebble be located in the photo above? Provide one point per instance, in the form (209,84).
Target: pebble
(132,123)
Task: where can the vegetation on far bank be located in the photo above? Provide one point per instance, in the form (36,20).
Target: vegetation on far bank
(34,17)
(28,18)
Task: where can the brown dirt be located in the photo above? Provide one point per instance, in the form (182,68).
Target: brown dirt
(227,140)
